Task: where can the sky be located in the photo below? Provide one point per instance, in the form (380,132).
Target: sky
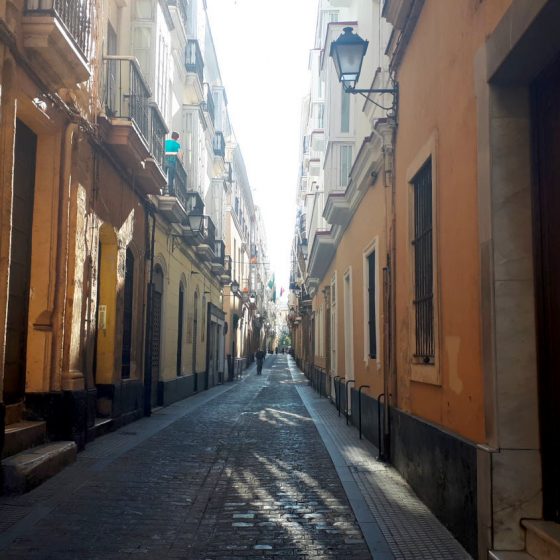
(263,51)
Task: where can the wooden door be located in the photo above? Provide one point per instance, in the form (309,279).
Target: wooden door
(20,264)
(546,100)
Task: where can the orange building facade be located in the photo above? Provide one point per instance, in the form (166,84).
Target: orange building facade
(463,216)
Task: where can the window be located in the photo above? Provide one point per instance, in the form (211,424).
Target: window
(423,264)
(345,164)
(372,322)
(345,112)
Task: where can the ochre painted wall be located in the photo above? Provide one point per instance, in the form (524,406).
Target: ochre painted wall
(367,226)
(437,104)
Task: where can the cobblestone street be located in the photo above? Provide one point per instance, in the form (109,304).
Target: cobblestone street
(244,474)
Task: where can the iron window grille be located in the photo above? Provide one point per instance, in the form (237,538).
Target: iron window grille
(371,306)
(423,264)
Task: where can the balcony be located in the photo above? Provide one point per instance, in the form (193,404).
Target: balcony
(225,276)
(219,145)
(204,236)
(130,123)
(208,105)
(219,148)
(195,73)
(56,36)
(158,130)
(219,254)
(181,8)
(195,210)
(173,204)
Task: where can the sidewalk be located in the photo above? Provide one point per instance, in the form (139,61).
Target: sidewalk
(395,523)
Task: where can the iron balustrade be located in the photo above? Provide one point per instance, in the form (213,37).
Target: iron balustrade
(194,204)
(219,145)
(227,265)
(208,231)
(75,15)
(209,103)
(219,250)
(158,130)
(229,172)
(126,92)
(193,59)
(177,179)
(183,7)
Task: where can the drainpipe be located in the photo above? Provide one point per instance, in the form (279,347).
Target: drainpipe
(149,326)
(61,262)
(389,367)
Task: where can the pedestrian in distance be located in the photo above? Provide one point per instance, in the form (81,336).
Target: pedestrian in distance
(260,355)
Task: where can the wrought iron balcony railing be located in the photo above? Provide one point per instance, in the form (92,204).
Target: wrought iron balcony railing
(209,103)
(219,145)
(177,182)
(227,266)
(75,15)
(183,7)
(229,172)
(193,59)
(219,251)
(158,130)
(194,204)
(126,92)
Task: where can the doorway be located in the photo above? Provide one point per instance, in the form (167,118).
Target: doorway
(157,297)
(20,263)
(546,104)
(195,339)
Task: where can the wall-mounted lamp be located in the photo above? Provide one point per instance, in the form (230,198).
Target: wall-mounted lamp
(348,53)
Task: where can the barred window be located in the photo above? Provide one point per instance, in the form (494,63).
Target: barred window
(371,306)
(423,264)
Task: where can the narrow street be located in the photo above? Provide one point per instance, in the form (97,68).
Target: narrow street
(248,476)
(245,477)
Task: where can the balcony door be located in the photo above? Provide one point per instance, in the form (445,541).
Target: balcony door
(546,100)
(20,263)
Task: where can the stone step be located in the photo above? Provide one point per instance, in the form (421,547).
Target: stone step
(509,555)
(14,413)
(23,435)
(28,469)
(103,426)
(542,539)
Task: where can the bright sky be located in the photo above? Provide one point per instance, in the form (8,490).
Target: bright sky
(263,50)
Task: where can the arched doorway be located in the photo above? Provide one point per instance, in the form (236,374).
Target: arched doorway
(157,298)
(128,313)
(195,338)
(180,313)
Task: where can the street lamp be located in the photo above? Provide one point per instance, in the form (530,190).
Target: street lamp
(348,53)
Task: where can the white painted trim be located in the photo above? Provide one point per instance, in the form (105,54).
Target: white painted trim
(348,325)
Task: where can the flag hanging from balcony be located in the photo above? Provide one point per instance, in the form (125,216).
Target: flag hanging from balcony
(271,282)
(281,291)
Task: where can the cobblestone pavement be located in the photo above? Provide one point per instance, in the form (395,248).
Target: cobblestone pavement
(236,472)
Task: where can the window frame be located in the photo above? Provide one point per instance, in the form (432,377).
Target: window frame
(419,370)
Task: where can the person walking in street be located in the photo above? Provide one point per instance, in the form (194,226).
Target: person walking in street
(260,355)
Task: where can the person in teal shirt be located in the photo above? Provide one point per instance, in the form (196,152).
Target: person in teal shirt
(172,148)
